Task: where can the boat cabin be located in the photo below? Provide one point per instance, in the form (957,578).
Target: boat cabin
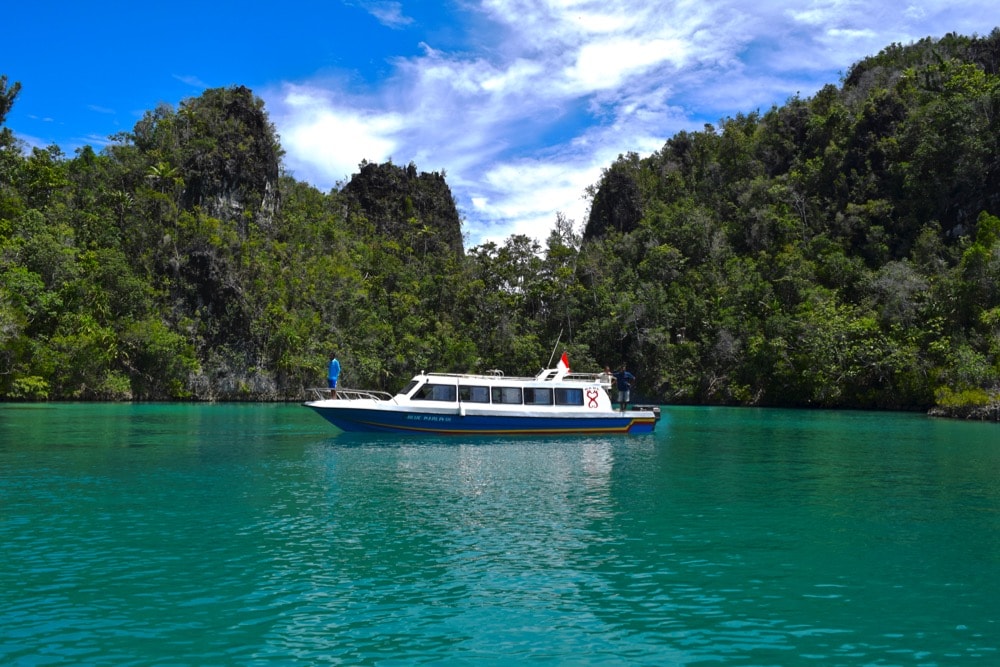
(552,387)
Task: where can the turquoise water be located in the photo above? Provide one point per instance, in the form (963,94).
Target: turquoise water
(255,535)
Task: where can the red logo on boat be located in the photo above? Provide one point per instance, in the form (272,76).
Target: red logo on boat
(592,395)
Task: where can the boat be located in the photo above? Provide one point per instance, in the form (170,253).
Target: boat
(553,402)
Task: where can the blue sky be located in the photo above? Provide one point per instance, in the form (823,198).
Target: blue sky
(521,103)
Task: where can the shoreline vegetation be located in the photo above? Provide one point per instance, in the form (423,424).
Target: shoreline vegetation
(837,251)
(970,405)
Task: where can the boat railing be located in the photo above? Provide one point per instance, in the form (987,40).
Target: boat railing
(496,374)
(582,377)
(323,393)
(492,374)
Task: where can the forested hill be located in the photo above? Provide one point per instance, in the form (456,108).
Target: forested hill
(838,250)
(841,250)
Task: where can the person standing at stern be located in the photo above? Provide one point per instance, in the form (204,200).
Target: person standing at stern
(624,380)
(332,374)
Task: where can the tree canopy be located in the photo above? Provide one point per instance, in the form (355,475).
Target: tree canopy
(841,250)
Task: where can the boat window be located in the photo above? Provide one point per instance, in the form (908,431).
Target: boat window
(569,396)
(474,394)
(409,387)
(538,396)
(435,392)
(510,395)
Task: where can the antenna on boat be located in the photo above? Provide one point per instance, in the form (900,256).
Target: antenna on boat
(553,355)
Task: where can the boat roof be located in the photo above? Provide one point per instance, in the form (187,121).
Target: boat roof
(495,375)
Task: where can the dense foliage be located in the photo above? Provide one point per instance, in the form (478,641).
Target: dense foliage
(836,251)
(840,250)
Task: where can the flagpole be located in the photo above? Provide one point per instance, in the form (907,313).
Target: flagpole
(556,347)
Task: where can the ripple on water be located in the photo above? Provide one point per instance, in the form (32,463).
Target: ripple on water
(212,545)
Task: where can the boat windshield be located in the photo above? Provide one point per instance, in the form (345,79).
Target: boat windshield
(435,392)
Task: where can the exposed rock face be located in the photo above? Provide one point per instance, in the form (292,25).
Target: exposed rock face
(232,166)
(617,205)
(416,208)
(985,413)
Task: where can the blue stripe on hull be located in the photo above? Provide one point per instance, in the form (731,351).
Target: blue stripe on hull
(381,421)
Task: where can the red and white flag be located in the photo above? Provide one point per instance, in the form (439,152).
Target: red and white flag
(563,364)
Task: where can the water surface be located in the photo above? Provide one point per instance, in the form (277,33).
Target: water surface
(255,534)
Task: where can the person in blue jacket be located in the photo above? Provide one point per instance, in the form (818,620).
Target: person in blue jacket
(332,373)
(623,380)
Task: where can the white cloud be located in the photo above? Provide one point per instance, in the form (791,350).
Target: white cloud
(606,64)
(386,12)
(325,140)
(820,14)
(524,193)
(191,80)
(520,74)
(556,89)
